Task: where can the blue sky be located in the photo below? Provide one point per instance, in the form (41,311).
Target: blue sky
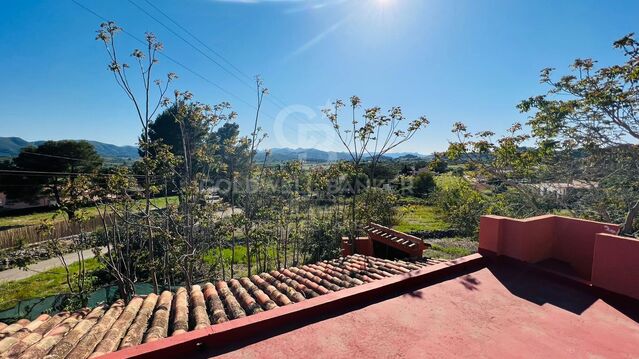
(464,60)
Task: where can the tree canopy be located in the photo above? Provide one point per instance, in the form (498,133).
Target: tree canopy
(583,135)
(54,168)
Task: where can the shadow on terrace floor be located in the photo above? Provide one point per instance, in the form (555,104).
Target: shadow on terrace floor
(541,288)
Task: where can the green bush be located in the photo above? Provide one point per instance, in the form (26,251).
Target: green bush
(461,204)
(322,240)
(377,205)
(423,184)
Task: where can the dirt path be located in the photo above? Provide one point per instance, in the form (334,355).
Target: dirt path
(17,273)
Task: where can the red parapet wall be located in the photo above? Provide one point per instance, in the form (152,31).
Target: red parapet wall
(529,240)
(592,250)
(616,264)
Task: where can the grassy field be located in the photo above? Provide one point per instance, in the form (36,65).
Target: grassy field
(414,218)
(419,217)
(41,285)
(240,255)
(58,216)
(450,248)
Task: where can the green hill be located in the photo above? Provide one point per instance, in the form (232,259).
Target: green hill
(11,146)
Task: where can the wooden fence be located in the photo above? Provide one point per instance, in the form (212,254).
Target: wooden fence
(15,237)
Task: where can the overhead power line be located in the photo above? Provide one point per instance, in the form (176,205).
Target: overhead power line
(199,41)
(55,173)
(113,162)
(191,44)
(270,98)
(170,58)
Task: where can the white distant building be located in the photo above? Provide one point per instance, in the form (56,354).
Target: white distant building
(562,188)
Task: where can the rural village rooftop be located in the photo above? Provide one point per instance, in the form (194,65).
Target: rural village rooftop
(546,286)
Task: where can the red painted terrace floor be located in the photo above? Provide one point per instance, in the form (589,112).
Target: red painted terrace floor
(500,310)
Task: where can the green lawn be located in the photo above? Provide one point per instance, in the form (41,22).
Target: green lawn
(418,217)
(57,216)
(444,180)
(240,254)
(29,219)
(451,248)
(41,285)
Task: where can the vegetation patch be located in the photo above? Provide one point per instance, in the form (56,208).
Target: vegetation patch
(35,219)
(51,282)
(451,248)
(420,218)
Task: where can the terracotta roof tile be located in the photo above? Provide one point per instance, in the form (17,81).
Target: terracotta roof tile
(11,340)
(198,305)
(264,300)
(145,319)
(248,303)
(73,336)
(112,338)
(299,287)
(230,302)
(11,329)
(180,312)
(136,331)
(93,337)
(271,291)
(290,292)
(53,337)
(314,286)
(160,324)
(215,305)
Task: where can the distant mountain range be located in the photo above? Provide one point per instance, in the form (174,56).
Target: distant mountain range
(11,146)
(319,156)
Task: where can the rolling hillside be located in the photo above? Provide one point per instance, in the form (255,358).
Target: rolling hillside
(11,146)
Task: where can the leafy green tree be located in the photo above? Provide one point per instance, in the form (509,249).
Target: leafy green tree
(58,169)
(233,153)
(407,169)
(384,172)
(505,163)
(461,204)
(166,127)
(377,205)
(423,184)
(166,130)
(438,164)
(594,110)
(372,133)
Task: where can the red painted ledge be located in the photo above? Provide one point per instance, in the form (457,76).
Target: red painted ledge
(225,334)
